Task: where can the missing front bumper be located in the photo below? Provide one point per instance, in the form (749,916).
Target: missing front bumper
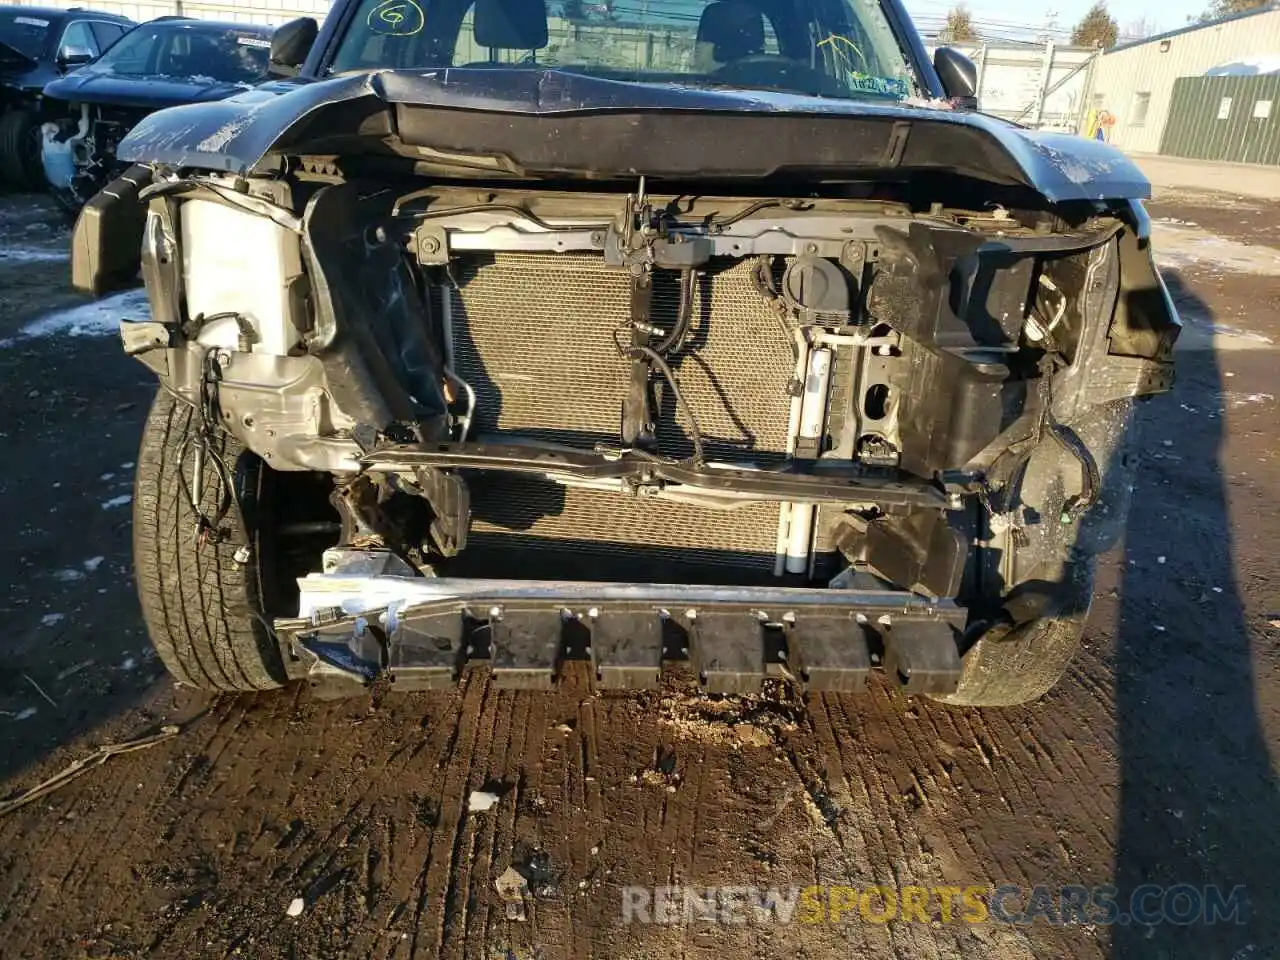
(419,634)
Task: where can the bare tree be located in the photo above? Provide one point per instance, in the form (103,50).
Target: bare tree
(959,26)
(1139,29)
(1097,29)
(1226,8)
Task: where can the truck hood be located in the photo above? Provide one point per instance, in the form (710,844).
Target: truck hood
(551,123)
(152,93)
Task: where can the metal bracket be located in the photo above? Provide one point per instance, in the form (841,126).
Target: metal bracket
(525,652)
(431,245)
(830,654)
(141,336)
(341,662)
(728,651)
(922,657)
(426,653)
(353,562)
(450,500)
(626,651)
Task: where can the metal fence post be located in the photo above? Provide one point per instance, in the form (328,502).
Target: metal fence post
(1046,71)
(1086,99)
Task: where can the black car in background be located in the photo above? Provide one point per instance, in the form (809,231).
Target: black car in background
(37,45)
(163,63)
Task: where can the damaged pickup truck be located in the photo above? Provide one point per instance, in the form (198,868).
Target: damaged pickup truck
(37,45)
(729,333)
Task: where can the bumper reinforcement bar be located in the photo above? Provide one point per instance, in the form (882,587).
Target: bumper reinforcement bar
(419,633)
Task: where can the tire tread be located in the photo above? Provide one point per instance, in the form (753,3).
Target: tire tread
(203,610)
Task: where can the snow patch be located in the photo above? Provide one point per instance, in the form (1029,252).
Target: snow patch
(101,318)
(52,619)
(32,255)
(1183,245)
(1240,399)
(119,501)
(93,563)
(69,575)
(1246,67)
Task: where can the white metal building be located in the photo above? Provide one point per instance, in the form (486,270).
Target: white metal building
(1134,82)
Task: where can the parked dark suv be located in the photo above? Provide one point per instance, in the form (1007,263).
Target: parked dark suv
(37,45)
(163,63)
(723,331)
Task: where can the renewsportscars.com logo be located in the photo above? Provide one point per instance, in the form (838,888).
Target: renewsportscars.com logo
(1149,904)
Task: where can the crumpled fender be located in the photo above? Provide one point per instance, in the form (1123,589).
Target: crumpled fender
(543,122)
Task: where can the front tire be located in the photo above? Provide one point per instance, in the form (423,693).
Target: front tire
(1013,663)
(206,601)
(20,163)
(1047,599)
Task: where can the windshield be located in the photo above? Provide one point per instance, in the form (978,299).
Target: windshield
(833,48)
(23,32)
(190,51)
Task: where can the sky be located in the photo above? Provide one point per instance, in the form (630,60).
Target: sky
(1016,17)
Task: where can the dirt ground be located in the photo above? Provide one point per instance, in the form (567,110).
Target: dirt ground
(1152,763)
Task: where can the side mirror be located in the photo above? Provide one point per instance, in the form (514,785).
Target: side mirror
(959,76)
(74,56)
(290,45)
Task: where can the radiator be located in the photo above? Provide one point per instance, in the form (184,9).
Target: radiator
(533,335)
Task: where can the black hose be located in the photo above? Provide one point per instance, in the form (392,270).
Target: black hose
(648,353)
(684,314)
(745,212)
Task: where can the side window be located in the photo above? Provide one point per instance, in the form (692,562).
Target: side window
(77,39)
(139,53)
(1141,104)
(106,33)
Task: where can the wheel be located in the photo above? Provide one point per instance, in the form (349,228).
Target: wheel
(1017,663)
(1047,579)
(207,601)
(20,150)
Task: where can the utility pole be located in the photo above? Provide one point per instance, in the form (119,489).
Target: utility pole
(1050,29)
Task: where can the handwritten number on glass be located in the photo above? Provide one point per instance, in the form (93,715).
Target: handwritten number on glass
(396,18)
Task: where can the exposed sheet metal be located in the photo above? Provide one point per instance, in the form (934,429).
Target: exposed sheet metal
(359,594)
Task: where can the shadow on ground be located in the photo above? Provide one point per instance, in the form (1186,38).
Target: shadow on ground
(73,646)
(1197,791)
